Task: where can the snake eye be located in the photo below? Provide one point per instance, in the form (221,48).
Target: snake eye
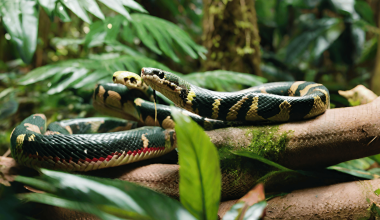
(161,74)
(113,79)
(133,80)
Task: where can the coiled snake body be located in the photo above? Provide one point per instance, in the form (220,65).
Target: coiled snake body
(72,145)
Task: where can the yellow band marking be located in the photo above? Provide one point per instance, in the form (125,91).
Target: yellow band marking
(113,99)
(145,141)
(294,87)
(100,94)
(32,127)
(68,128)
(319,106)
(190,97)
(307,88)
(283,115)
(168,123)
(252,112)
(234,110)
(139,101)
(262,89)
(20,140)
(215,108)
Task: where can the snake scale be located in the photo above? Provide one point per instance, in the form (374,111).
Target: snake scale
(95,143)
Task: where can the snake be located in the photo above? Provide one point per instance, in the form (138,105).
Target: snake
(145,129)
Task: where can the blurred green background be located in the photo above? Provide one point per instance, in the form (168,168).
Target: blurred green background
(53,52)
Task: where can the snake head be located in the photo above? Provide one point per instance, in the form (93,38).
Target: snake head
(129,79)
(169,84)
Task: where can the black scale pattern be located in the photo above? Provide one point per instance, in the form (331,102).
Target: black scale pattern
(93,146)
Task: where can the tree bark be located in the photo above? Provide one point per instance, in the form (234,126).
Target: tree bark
(375,83)
(231,36)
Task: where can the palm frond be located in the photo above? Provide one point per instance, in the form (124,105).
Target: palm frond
(164,37)
(85,73)
(222,80)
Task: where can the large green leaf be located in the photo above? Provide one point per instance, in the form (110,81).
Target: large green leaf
(77,9)
(48,6)
(222,80)
(320,34)
(200,177)
(105,198)
(164,34)
(92,7)
(20,19)
(117,6)
(85,73)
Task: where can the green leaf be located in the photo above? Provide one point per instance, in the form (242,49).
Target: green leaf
(254,212)
(200,177)
(23,32)
(345,7)
(92,7)
(250,206)
(98,67)
(8,108)
(77,9)
(245,153)
(48,6)
(369,50)
(40,74)
(133,5)
(105,198)
(222,80)
(117,6)
(365,11)
(354,172)
(164,34)
(377,192)
(321,33)
(77,75)
(60,11)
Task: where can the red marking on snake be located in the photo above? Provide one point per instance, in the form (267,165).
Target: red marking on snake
(129,152)
(101,158)
(94,159)
(88,160)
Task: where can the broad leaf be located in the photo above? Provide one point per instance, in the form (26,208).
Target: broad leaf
(249,207)
(48,6)
(222,80)
(77,9)
(92,7)
(85,73)
(320,34)
(164,34)
(117,6)
(200,177)
(105,198)
(245,153)
(20,18)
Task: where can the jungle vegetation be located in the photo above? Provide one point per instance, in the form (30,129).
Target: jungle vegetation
(53,52)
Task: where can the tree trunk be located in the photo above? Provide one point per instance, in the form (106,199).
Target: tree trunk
(375,84)
(231,36)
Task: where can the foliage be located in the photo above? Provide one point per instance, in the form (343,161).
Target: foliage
(200,170)
(105,198)
(318,41)
(113,199)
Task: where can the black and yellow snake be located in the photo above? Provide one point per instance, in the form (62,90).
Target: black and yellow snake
(73,145)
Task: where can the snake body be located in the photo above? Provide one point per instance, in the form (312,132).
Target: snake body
(76,145)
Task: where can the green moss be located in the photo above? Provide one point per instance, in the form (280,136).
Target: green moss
(268,142)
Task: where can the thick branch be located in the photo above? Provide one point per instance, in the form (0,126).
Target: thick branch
(336,136)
